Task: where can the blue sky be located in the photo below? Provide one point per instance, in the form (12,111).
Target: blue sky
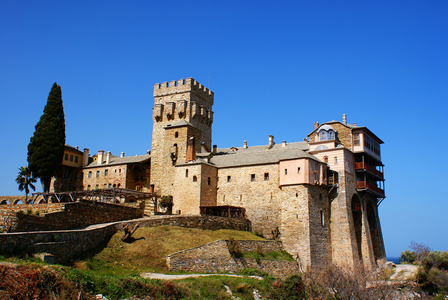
(275,67)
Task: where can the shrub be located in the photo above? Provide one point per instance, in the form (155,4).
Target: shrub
(28,211)
(292,288)
(166,201)
(408,257)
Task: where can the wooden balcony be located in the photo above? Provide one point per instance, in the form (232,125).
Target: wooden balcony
(364,166)
(368,186)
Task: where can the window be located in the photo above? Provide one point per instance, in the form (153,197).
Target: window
(71,157)
(326,159)
(119,170)
(110,185)
(105,172)
(298,170)
(176,134)
(118,185)
(229,178)
(105,186)
(89,175)
(195,178)
(356,141)
(322,218)
(66,156)
(76,159)
(266,176)
(335,160)
(208,181)
(139,188)
(252,177)
(88,187)
(186,173)
(96,187)
(286,171)
(97,174)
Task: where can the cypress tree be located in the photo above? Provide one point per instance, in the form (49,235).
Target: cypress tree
(46,147)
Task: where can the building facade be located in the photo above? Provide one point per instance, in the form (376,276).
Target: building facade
(319,196)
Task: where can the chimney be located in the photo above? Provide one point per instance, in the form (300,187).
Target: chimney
(99,160)
(355,124)
(108,157)
(283,143)
(191,151)
(344,119)
(122,154)
(316,125)
(271,142)
(85,157)
(76,147)
(245,144)
(148,152)
(215,149)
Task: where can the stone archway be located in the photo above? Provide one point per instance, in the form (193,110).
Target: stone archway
(357,222)
(4,202)
(17,201)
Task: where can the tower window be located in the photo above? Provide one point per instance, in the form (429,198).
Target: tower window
(97,174)
(286,171)
(252,177)
(298,170)
(89,175)
(335,160)
(186,173)
(176,134)
(208,181)
(195,178)
(105,172)
(229,178)
(266,176)
(326,159)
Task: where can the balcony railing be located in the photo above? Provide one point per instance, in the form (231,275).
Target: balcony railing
(364,166)
(365,185)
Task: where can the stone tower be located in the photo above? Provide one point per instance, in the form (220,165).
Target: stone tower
(182,116)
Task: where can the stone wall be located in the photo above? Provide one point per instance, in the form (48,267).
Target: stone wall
(66,245)
(261,198)
(215,257)
(57,216)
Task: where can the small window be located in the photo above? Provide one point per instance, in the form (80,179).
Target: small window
(266,176)
(356,141)
(252,177)
(89,175)
(118,185)
(119,170)
(76,159)
(298,170)
(88,187)
(96,187)
(110,185)
(195,178)
(66,156)
(326,159)
(322,218)
(208,181)
(105,186)
(97,174)
(71,157)
(176,134)
(229,178)
(105,172)
(186,173)
(286,171)
(335,160)
(115,170)
(114,185)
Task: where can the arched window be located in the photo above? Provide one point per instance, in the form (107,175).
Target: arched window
(195,178)
(331,134)
(208,181)
(186,173)
(323,135)
(326,159)
(97,174)
(176,134)
(90,174)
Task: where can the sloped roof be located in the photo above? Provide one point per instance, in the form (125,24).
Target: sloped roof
(115,160)
(257,155)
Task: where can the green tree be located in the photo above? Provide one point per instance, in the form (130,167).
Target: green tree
(46,147)
(25,181)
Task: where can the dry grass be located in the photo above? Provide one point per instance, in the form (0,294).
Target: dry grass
(151,245)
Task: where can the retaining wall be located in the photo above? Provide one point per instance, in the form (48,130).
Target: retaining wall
(66,245)
(60,216)
(215,257)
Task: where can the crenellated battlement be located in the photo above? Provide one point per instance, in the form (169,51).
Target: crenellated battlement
(182,86)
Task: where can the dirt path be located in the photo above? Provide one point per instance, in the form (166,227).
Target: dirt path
(183,276)
(402,272)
